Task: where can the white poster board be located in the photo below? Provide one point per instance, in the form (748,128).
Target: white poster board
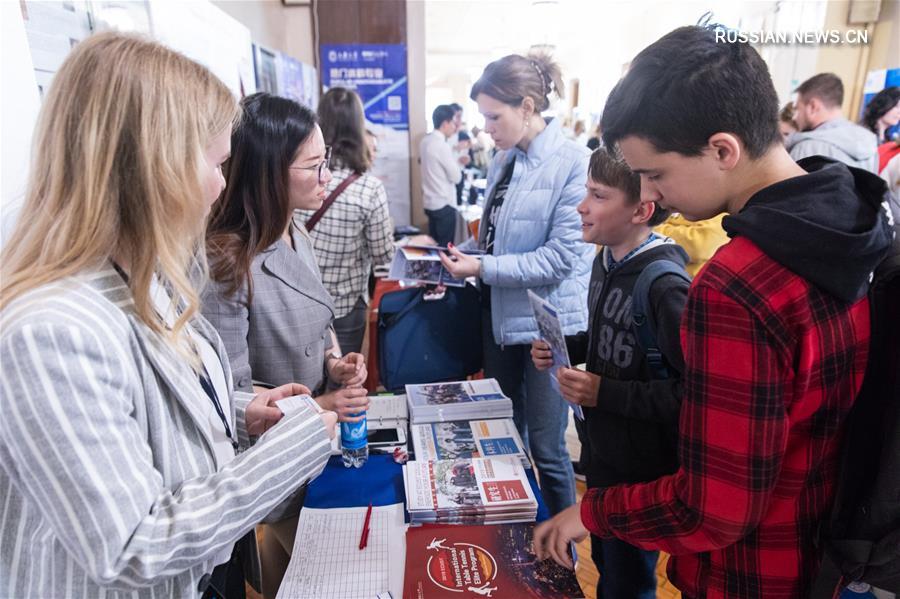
(205,33)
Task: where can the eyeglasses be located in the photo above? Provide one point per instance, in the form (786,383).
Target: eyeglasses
(319,168)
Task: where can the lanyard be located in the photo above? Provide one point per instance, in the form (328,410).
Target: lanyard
(205,383)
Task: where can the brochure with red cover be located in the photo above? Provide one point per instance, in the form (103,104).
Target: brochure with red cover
(476,489)
(468,562)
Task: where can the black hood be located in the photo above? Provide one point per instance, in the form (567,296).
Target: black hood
(829,226)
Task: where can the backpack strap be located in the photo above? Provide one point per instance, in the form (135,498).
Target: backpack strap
(642,317)
(414,301)
(315,218)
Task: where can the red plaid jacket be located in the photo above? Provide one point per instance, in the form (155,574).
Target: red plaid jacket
(772,366)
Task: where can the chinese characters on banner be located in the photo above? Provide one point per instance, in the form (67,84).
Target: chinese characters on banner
(377,72)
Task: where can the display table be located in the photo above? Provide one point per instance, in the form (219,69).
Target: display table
(379,481)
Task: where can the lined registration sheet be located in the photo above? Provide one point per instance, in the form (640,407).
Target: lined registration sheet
(327,560)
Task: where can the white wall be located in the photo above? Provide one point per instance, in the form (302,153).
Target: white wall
(415,71)
(287,29)
(19,106)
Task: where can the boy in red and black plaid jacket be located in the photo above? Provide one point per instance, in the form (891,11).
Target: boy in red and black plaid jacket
(775,333)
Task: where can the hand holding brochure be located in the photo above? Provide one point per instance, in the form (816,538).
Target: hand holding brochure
(551,332)
(422,264)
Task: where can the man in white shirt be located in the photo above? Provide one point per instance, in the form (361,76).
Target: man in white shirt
(440,173)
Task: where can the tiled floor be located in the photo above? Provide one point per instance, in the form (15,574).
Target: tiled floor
(587,573)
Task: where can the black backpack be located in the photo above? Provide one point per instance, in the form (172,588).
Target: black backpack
(862,535)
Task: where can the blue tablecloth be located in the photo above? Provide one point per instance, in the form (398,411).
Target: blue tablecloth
(379,481)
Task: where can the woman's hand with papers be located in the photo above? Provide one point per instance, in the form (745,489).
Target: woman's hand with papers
(541,354)
(262,413)
(578,387)
(460,265)
(347,402)
(349,370)
(552,538)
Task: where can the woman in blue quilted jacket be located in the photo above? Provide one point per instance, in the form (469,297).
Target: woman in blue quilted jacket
(531,235)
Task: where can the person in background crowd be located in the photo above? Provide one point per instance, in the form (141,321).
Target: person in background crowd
(266,297)
(531,233)
(453,140)
(786,124)
(355,232)
(566,128)
(464,152)
(889,170)
(764,398)
(460,149)
(823,129)
(482,150)
(882,113)
(880,116)
(595,141)
(440,174)
(581,134)
(120,423)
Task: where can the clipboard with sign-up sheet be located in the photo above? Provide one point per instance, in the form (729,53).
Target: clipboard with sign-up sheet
(327,560)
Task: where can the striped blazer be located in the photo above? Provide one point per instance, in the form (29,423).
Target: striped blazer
(108,482)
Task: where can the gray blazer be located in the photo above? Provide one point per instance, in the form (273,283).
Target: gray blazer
(281,337)
(109,485)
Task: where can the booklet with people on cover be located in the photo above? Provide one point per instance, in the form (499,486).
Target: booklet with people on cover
(457,400)
(469,490)
(467,439)
(422,264)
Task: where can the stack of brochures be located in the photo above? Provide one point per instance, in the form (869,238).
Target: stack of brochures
(458,400)
(469,491)
(468,439)
(482,561)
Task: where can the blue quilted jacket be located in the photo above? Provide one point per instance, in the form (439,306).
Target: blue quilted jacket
(538,242)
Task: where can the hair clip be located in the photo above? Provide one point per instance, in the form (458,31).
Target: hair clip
(540,73)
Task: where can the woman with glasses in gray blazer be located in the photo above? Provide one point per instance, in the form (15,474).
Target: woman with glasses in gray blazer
(128,463)
(267,299)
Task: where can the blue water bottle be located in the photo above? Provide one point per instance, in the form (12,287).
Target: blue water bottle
(355,442)
(857,590)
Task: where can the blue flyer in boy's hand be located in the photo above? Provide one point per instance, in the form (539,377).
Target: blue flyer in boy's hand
(551,332)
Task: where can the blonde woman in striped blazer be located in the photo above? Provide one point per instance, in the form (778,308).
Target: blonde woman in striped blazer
(118,469)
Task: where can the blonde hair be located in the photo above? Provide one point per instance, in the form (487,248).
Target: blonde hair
(116,170)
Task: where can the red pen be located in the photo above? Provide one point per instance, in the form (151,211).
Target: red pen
(364,537)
